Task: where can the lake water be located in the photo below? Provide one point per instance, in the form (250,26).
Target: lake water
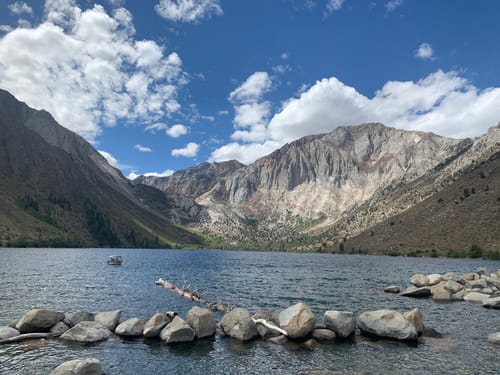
(71,280)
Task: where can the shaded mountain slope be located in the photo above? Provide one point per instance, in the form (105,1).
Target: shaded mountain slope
(56,189)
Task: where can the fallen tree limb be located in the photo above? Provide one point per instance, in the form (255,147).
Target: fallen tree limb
(271,326)
(194,295)
(28,336)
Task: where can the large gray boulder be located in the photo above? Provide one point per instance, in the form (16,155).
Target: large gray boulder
(8,332)
(434,278)
(131,328)
(492,303)
(421,292)
(84,366)
(239,324)
(323,334)
(177,331)
(419,280)
(476,297)
(479,283)
(268,315)
(87,332)
(201,321)
(343,323)
(440,293)
(387,323)
(453,276)
(453,286)
(38,320)
(153,326)
(494,338)
(82,316)
(416,317)
(109,319)
(297,320)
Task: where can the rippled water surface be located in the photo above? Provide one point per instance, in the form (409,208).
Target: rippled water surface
(72,280)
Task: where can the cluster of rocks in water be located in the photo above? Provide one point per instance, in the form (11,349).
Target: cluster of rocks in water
(476,287)
(296,323)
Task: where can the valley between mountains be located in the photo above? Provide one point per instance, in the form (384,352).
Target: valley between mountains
(366,188)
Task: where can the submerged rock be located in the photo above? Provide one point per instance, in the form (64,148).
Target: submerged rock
(387,323)
(343,323)
(297,320)
(323,334)
(85,366)
(392,289)
(38,320)
(87,332)
(494,338)
(239,324)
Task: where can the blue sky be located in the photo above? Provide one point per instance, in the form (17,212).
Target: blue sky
(162,85)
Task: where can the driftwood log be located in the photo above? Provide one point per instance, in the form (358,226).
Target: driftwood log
(194,295)
(28,336)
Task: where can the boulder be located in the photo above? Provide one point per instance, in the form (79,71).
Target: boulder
(239,324)
(153,326)
(479,283)
(494,338)
(177,331)
(87,332)
(434,278)
(419,280)
(417,292)
(131,328)
(453,276)
(492,303)
(38,320)
(453,286)
(82,316)
(8,332)
(482,271)
(297,320)
(392,289)
(440,293)
(59,328)
(459,296)
(323,334)
(387,323)
(416,317)
(498,272)
(470,276)
(201,321)
(109,319)
(268,330)
(475,297)
(84,366)
(492,283)
(343,323)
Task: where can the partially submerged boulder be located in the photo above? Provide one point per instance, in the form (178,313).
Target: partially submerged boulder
(494,338)
(83,366)
(177,331)
(38,320)
(419,280)
(87,332)
(388,324)
(323,334)
(201,321)
(153,326)
(109,319)
(492,303)
(343,323)
(297,320)
(239,324)
(392,289)
(416,317)
(421,292)
(59,328)
(82,316)
(476,297)
(131,328)
(8,332)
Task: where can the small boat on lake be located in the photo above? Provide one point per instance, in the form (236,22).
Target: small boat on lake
(115,260)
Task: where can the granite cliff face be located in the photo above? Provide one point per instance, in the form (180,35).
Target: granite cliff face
(331,186)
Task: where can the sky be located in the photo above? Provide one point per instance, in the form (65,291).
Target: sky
(161,85)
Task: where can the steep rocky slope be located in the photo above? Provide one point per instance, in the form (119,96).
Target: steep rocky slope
(55,189)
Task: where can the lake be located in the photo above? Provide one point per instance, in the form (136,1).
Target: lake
(72,280)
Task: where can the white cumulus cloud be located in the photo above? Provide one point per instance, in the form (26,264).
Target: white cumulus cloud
(109,158)
(425,52)
(177,130)
(142,148)
(190,151)
(334,5)
(188,10)
(20,7)
(87,69)
(166,173)
(393,4)
(442,102)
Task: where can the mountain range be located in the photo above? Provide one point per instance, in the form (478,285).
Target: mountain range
(365,188)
